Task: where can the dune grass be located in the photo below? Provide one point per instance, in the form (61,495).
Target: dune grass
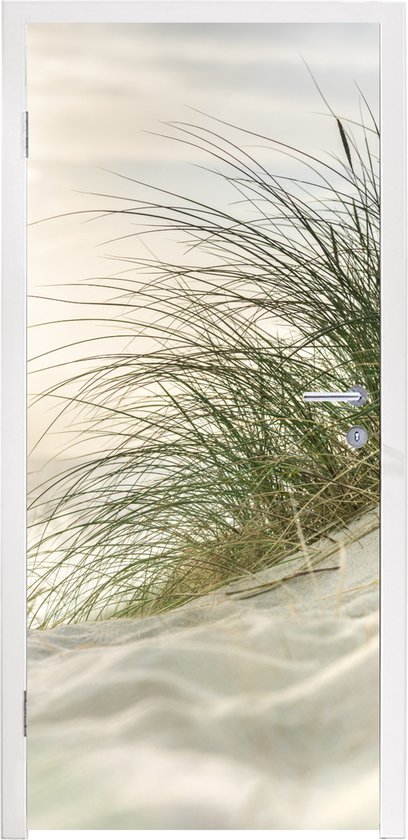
(208,463)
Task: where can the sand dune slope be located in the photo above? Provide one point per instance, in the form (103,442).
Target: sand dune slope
(225,713)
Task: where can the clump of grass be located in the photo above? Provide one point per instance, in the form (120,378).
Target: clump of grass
(205,445)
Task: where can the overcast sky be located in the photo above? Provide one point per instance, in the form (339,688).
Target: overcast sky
(95,91)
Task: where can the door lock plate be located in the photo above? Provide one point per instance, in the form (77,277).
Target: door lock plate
(357,437)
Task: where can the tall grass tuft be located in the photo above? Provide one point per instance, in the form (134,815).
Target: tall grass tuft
(207,460)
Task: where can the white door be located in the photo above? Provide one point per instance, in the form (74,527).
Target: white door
(211,241)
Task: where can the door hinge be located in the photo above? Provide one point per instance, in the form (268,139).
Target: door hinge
(26,134)
(25,714)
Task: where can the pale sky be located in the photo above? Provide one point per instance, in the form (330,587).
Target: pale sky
(96,90)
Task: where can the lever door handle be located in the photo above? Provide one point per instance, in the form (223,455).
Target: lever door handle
(355,396)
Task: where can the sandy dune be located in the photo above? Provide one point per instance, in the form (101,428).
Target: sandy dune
(226,713)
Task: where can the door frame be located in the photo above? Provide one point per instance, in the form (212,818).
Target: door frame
(391,20)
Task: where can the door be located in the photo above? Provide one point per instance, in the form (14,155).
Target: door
(203,465)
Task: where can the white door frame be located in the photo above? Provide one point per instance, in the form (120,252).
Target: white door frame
(391,18)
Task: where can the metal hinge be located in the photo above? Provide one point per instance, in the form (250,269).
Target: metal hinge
(25,714)
(26,134)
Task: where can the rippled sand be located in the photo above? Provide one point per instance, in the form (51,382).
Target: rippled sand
(225,713)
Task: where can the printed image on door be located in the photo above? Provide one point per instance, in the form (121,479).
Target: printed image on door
(203,568)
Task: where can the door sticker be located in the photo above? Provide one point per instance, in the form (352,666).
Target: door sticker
(203,567)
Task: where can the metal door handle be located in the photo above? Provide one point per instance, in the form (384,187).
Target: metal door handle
(355,396)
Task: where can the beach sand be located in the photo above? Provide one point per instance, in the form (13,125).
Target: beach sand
(222,714)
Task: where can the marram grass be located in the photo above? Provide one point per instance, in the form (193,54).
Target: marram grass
(209,464)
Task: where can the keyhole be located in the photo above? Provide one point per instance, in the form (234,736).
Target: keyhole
(357,436)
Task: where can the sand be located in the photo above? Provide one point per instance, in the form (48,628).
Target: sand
(223,714)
